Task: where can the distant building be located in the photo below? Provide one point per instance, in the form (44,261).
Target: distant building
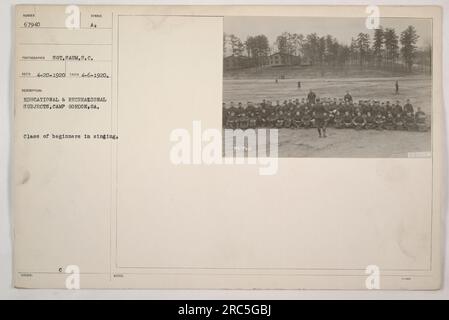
(283,59)
(306,61)
(276,59)
(237,62)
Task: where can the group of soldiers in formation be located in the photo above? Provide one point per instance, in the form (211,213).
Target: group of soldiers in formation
(312,112)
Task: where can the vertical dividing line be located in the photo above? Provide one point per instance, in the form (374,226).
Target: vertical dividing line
(117,132)
(112,147)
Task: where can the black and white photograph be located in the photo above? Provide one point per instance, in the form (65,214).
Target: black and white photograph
(332,87)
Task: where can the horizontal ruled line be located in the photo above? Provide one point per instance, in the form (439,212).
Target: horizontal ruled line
(65,44)
(65,28)
(46,60)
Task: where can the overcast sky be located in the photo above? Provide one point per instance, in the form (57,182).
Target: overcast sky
(341,28)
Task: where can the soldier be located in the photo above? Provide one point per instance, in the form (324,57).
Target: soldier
(359,121)
(370,124)
(297,118)
(339,106)
(231,120)
(383,109)
(306,119)
(397,109)
(357,108)
(240,108)
(288,119)
(347,120)
(332,104)
(389,121)
(243,121)
(345,107)
(331,111)
(396,85)
(376,108)
(302,106)
(341,101)
(408,107)
(311,97)
(409,122)
(269,108)
(379,121)
(388,108)
(327,119)
(347,97)
(420,119)
(284,107)
(338,120)
(272,119)
(249,107)
(291,106)
(252,119)
(352,108)
(368,107)
(399,122)
(262,117)
(280,119)
(277,107)
(319,113)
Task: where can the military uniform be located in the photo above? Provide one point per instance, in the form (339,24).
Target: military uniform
(319,112)
(347,120)
(311,97)
(397,109)
(347,97)
(389,122)
(262,117)
(369,121)
(297,118)
(306,119)
(420,119)
(280,119)
(399,122)
(379,120)
(338,120)
(408,108)
(252,120)
(243,121)
(409,122)
(272,119)
(359,122)
(231,120)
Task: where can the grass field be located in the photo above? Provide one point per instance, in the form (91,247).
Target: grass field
(313,72)
(345,142)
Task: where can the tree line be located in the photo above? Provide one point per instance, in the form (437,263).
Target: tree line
(386,49)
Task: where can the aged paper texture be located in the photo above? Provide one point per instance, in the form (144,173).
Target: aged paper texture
(121,175)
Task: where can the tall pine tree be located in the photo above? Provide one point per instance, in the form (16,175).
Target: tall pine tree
(408,50)
(378,45)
